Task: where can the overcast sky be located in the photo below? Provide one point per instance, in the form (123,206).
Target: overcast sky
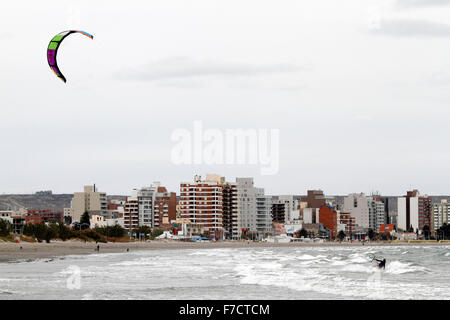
(359,90)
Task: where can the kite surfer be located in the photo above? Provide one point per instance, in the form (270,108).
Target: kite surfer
(382,263)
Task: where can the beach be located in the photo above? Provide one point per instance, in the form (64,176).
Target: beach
(33,250)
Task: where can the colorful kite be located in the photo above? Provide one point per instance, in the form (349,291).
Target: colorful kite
(53,49)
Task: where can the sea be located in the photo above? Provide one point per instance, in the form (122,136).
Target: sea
(326,272)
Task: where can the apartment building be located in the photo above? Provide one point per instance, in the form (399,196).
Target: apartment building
(358,206)
(439,214)
(91,200)
(164,207)
(201,202)
(43,216)
(414,211)
(131,212)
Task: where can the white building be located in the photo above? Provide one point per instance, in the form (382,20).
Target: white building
(7,215)
(291,205)
(414,211)
(97,221)
(358,206)
(146,201)
(310,215)
(377,214)
(115,221)
(254,207)
(246,196)
(440,214)
(263,212)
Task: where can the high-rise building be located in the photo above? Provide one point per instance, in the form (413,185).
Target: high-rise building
(201,203)
(131,212)
(146,199)
(90,200)
(165,204)
(439,214)
(358,206)
(377,213)
(263,213)
(414,211)
(231,223)
(254,207)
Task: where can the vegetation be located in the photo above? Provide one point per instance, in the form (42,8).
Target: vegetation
(384,236)
(371,234)
(111,231)
(157,232)
(426,232)
(302,233)
(341,235)
(85,221)
(5,228)
(144,230)
(444,232)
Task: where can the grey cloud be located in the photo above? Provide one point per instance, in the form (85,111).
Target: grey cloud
(421,3)
(182,68)
(411,28)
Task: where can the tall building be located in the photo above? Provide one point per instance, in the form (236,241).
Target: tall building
(263,212)
(414,211)
(246,196)
(253,206)
(358,206)
(165,204)
(90,200)
(201,203)
(131,212)
(439,214)
(231,223)
(146,199)
(377,213)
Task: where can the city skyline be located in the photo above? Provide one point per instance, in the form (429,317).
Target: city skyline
(357,89)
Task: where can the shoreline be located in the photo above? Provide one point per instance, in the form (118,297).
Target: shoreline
(11,252)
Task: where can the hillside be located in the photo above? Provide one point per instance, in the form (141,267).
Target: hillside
(55,202)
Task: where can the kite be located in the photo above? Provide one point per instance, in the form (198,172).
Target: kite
(53,49)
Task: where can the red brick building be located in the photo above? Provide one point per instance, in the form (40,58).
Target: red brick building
(39,216)
(328,217)
(314,199)
(165,208)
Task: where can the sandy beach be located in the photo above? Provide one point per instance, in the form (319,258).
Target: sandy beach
(30,251)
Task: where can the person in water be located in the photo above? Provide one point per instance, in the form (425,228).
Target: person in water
(382,263)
